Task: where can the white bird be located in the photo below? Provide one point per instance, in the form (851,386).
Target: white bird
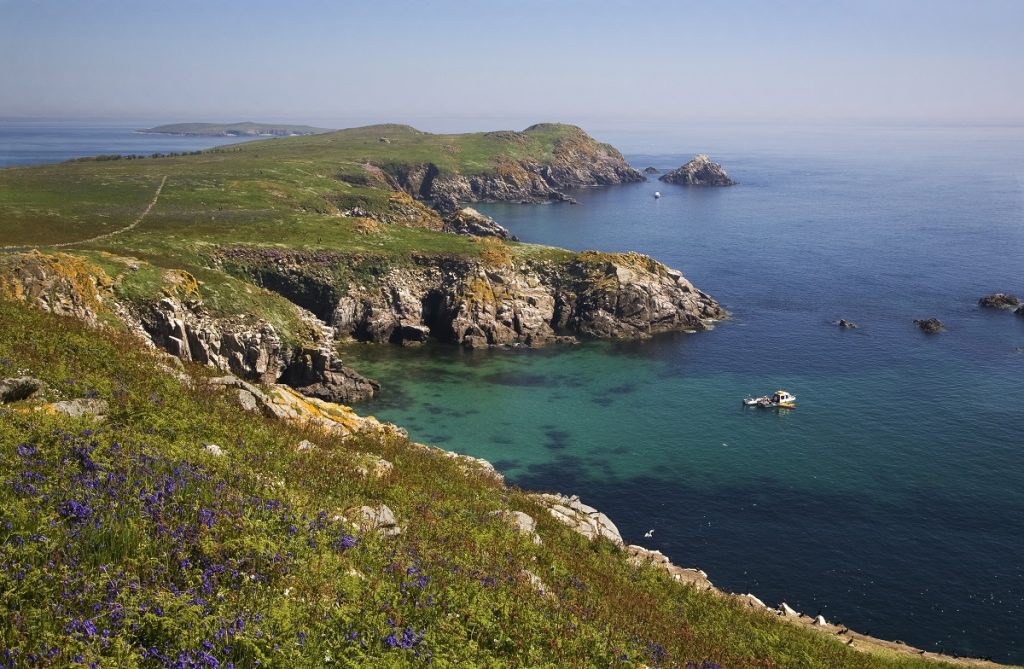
(650,533)
(657,194)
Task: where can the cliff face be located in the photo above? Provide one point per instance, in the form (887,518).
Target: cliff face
(700,171)
(245,345)
(476,303)
(576,160)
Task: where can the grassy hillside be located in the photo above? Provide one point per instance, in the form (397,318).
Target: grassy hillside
(126,543)
(235,129)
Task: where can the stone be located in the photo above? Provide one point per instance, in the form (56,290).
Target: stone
(1020,311)
(247,400)
(582,518)
(81,408)
(523,522)
(213,449)
(1000,301)
(371,466)
(756,601)
(19,388)
(930,325)
(788,610)
(380,519)
(845,324)
(651,170)
(305,446)
(700,171)
(820,620)
(534,581)
(469,221)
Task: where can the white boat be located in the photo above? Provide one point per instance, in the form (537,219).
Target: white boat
(657,194)
(780,399)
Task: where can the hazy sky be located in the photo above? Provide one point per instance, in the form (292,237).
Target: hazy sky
(308,60)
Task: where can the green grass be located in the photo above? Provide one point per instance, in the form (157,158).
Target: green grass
(125,536)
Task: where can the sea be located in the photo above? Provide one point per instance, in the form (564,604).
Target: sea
(891,499)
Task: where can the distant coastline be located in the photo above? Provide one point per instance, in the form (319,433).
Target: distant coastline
(243,129)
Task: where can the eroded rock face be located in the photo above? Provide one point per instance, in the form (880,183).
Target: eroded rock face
(252,349)
(700,171)
(577,160)
(469,221)
(474,304)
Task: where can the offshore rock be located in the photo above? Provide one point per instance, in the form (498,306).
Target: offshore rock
(1000,301)
(651,170)
(930,325)
(845,324)
(700,171)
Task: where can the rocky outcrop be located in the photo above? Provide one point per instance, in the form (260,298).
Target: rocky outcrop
(476,303)
(253,349)
(469,221)
(651,170)
(845,324)
(584,519)
(576,160)
(930,325)
(700,171)
(19,388)
(1000,301)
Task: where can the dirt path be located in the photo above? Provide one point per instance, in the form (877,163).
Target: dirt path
(106,235)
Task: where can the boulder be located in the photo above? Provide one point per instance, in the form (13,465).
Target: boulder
(1019,311)
(19,388)
(534,581)
(81,408)
(1000,301)
(584,519)
(379,519)
(213,449)
(371,466)
(521,521)
(469,221)
(305,446)
(651,170)
(700,171)
(788,611)
(845,324)
(930,325)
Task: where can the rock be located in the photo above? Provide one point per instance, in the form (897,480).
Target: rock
(380,519)
(585,520)
(19,388)
(698,172)
(754,600)
(1020,311)
(81,407)
(638,556)
(469,221)
(521,521)
(478,304)
(787,610)
(305,446)
(383,140)
(843,323)
(651,170)
(371,466)
(1000,301)
(534,581)
(248,401)
(213,449)
(930,325)
(820,620)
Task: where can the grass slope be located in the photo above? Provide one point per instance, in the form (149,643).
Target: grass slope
(126,544)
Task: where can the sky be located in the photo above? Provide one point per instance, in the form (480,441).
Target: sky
(329,62)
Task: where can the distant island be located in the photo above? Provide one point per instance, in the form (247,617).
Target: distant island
(244,129)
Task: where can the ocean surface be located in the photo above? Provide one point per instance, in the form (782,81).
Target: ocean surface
(892,498)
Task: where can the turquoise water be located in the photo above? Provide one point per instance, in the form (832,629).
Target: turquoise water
(892,498)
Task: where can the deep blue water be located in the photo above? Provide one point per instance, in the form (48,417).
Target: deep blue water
(892,499)
(37,142)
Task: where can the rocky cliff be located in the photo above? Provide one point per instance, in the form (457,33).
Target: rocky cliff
(700,171)
(576,160)
(179,323)
(494,300)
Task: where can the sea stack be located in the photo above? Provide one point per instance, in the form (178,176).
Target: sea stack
(700,171)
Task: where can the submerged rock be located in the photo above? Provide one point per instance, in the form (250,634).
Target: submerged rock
(843,323)
(700,171)
(1000,301)
(930,325)
(651,170)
